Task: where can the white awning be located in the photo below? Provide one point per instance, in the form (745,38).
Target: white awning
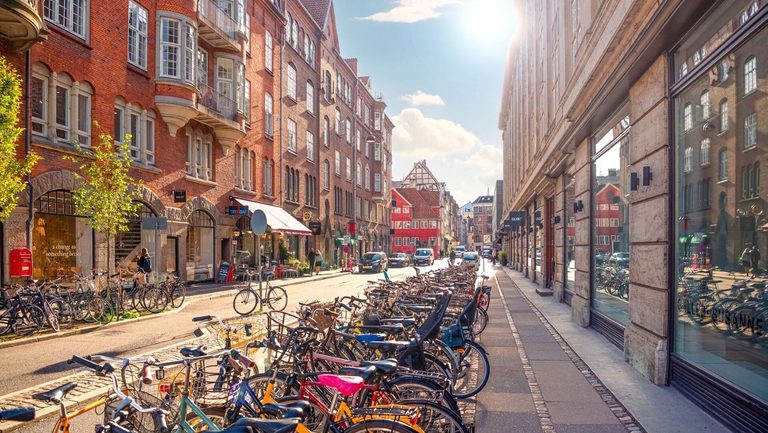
(278,219)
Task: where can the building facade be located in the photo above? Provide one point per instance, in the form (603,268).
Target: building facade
(632,149)
(223,102)
(416,219)
(481,225)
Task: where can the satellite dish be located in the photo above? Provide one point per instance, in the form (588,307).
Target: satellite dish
(259,222)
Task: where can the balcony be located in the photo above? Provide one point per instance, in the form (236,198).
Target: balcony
(216,26)
(22,24)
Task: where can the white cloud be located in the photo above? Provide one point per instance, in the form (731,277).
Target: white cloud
(456,156)
(411,11)
(421,98)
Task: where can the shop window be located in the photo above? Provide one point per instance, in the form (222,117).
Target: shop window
(62,242)
(713,234)
(200,246)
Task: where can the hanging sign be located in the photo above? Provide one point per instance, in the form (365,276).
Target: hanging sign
(180,196)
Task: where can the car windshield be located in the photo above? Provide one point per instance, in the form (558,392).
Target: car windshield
(460,249)
(371,256)
(470,256)
(621,255)
(397,256)
(422,252)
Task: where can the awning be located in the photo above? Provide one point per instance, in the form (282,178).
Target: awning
(278,219)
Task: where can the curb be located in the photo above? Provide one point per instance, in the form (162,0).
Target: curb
(190,300)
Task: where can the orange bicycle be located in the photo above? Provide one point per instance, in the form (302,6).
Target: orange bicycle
(57,396)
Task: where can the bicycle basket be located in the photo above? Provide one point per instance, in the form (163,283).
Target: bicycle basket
(245,330)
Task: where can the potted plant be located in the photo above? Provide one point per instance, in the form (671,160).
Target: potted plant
(503,258)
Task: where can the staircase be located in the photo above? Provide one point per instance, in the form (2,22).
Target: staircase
(128,244)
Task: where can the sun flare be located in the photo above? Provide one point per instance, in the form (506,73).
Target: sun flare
(490,20)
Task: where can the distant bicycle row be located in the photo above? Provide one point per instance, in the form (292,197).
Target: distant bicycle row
(31,308)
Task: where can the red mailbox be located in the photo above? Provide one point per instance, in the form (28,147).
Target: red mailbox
(21,262)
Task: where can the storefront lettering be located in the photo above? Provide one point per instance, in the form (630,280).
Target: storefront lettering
(63,251)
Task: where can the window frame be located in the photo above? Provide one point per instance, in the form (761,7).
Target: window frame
(136,35)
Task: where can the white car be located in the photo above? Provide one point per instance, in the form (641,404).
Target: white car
(460,250)
(471,261)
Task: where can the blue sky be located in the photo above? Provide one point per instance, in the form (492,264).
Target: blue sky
(440,66)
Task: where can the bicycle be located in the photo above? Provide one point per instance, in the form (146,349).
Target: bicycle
(246,299)
(57,396)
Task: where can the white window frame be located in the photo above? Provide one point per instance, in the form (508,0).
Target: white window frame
(183,46)
(326,131)
(349,169)
(326,175)
(348,130)
(377,182)
(247,102)
(367,178)
(337,160)
(688,160)
(377,151)
(310,146)
(291,81)
(357,139)
(377,120)
(337,118)
(750,131)
(199,155)
(137,35)
(75,18)
(74,120)
(722,172)
(269,122)
(359,174)
(706,108)
(268,51)
(723,116)
(704,152)
(292,136)
(750,75)
(267,177)
(310,97)
(688,117)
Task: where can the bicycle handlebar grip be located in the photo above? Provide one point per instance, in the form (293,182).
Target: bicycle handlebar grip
(146,375)
(248,327)
(236,365)
(247,362)
(202,318)
(161,425)
(86,363)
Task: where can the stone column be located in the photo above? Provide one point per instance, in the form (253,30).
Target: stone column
(646,338)
(580,302)
(558,283)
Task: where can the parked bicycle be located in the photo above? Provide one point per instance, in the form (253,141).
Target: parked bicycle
(247,299)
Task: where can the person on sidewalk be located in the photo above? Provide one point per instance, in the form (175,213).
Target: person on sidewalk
(452,257)
(318,261)
(755,256)
(311,256)
(746,259)
(144,263)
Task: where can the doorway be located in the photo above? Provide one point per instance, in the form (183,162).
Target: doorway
(172,256)
(549,233)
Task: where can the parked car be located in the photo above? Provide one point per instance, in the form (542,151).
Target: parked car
(471,261)
(620,260)
(460,250)
(424,256)
(373,262)
(399,260)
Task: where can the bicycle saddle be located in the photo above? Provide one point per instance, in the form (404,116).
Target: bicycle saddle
(293,409)
(258,425)
(199,351)
(405,321)
(347,385)
(385,367)
(365,373)
(55,395)
(388,346)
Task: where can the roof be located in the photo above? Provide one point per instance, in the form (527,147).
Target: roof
(483,199)
(422,210)
(318,10)
(431,196)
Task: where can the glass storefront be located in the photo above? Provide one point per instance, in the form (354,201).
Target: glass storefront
(610,220)
(62,243)
(570,232)
(721,113)
(200,246)
(128,244)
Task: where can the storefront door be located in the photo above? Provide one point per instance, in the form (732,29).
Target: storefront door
(549,251)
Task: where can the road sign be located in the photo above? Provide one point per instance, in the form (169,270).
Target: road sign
(365,228)
(258,222)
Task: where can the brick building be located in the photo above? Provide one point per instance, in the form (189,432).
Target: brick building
(416,220)
(481,224)
(222,100)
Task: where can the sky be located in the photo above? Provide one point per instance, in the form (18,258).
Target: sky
(440,67)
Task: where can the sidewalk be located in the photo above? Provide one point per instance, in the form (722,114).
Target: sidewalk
(548,374)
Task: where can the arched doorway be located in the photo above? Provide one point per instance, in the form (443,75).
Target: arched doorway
(128,244)
(200,246)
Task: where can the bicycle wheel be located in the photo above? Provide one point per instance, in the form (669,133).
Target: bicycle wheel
(281,389)
(64,312)
(484,300)
(100,310)
(154,299)
(245,301)
(138,294)
(27,320)
(436,418)
(474,370)
(417,387)
(5,320)
(315,419)
(481,321)
(216,415)
(178,294)
(379,425)
(277,299)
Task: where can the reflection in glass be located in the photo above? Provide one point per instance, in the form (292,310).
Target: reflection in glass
(570,232)
(722,223)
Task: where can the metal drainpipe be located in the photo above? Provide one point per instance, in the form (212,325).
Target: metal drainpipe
(28,145)
(280,113)
(354,164)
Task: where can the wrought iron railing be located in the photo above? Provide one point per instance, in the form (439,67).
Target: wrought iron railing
(211,99)
(210,10)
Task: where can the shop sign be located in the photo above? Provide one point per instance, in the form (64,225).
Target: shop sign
(515,219)
(316,227)
(180,196)
(238,210)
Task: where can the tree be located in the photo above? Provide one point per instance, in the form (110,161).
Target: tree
(109,193)
(12,170)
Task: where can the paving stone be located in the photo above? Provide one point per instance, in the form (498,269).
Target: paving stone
(493,422)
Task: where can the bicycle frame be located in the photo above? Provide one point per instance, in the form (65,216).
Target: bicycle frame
(62,425)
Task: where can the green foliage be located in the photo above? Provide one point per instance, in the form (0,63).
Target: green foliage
(105,191)
(502,255)
(293,261)
(284,254)
(12,171)
(303,268)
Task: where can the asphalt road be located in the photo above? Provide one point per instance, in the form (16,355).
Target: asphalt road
(36,363)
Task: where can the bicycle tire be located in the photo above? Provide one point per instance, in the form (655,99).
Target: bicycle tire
(277,298)
(178,295)
(138,293)
(314,420)
(281,389)
(484,300)
(102,310)
(380,425)
(154,299)
(216,415)
(481,321)
(418,387)
(27,319)
(245,301)
(5,320)
(51,316)
(64,311)
(436,418)
(466,385)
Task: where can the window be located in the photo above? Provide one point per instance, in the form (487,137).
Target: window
(268,166)
(337,167)
(722,71)
(295,35)
(177,39)
(292,184)
(603,240)
(750,176)
(306,47)
(407,224)
(723,166)
(268,116)
(688,159)
(310,185)
(750,131)
(706,111)
(357,139)
(704,156)
(288,26)
(750,75)
(326,131)
(338,121)
(349,169)
(131,120)
(199,155)
(688,115)
(244,168)
(268,51)
(348,130)
(377,121)
(377,151)
(224,80)
(310,146)
(359,174)
(291,135)
(292,81)
(614,222)
(367,149)
(326,175)
(71,15)
(359,106)
(398,242)
(311,56)
(723,115)
(137,35)
(69,117)
(338,83)
(377,182)
(367,178)
(367,116)
(310,97)
(328,86)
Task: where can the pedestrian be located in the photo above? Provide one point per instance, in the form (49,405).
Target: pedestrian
(144,264)
(452,257)
(494,256)
(746,259)
(318,261)
(311,256)
(755,256)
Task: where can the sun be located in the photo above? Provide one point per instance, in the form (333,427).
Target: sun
(489,21)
